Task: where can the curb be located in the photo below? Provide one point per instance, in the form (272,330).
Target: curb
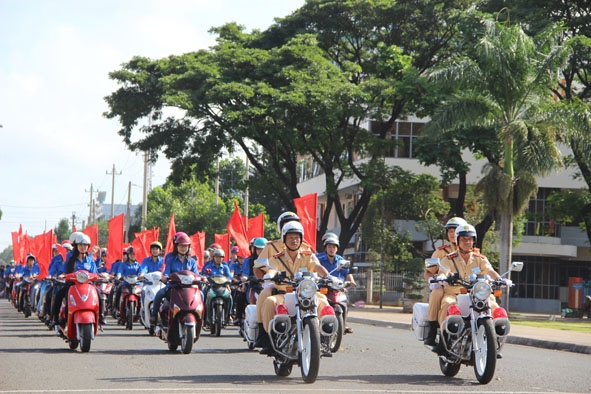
(568,347)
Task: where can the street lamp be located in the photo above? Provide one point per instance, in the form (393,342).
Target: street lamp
(382,251)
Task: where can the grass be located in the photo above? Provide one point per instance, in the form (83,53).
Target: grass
(579,325)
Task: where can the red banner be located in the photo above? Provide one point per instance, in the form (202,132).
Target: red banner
(198,246)
(92,232)
(235,228)
(307,207)
(43,245)
(224,240)
(256,227)
(115,240)
(170,234)
(16,247)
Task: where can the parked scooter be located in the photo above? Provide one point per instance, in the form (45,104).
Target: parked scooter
(470,334)
(218,304)
(130,304)
(82,320)
(181,316)
(151,286)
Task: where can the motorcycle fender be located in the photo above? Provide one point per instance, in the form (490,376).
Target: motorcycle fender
(218,301)
(84,317)
(189,319)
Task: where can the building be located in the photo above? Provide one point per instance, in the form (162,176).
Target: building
(552,253)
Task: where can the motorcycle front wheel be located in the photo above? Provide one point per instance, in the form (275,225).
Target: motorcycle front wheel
(187,339)
(310,355)
(130,315)
(337,338)
(85,337)
(485,359)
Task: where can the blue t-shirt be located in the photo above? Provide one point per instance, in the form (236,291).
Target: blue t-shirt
(56,266)
(115,267)
(175,264)
(237,268)
(86,265)
(34,270)
(149,265)
(341,273)
(127,269)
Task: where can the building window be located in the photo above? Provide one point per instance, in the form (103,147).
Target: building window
(403,134)
(539,222)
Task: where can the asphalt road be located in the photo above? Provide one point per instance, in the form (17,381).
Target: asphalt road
(373,360)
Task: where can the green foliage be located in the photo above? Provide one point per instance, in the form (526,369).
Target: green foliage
(570,207)
(6,255)
(62,230)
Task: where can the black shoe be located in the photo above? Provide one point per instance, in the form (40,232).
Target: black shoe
(499,355)
(262,335)
(102,321)
(438,348)
(268,350)
(431,334)
(153,322)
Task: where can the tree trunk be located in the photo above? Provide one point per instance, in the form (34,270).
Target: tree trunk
(505,252)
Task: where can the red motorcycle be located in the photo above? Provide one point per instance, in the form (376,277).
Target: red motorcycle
(129,306)
(82,322)
(181,317)
(104,286)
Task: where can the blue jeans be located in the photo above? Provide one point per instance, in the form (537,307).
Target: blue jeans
(158,300)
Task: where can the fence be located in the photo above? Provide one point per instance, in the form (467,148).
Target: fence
(368,288)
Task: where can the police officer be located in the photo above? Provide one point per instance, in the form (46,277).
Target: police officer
(436,289)
(291,259)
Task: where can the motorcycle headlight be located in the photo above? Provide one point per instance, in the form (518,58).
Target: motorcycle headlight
(481,291)
(186,279)
(82,276)
(307,289)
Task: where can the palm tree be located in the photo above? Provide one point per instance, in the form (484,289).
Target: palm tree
(500,85)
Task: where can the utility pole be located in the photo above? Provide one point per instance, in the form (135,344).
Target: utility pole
(128,213)
(73,220)
(145,191)
(90,205)
(113,173)
(217,182)
(246,193)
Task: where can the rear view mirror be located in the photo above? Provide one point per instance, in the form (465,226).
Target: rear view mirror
(516,266)
(344,263)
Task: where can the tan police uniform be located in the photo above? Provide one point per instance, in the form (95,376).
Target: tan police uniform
(476,263)
(437,294)
(267,302)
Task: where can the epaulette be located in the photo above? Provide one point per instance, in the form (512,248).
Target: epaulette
(477,254)
(453,254)
(278,254)
(442,247)
(306,252)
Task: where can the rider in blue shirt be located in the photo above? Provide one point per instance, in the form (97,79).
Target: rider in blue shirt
(178,260)
(129,268)
(31,269)
(329,260)
(77,260)
(153,262)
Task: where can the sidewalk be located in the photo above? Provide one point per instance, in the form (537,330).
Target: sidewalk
(548,338)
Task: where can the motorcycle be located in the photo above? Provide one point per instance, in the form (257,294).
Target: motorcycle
(248,330)
(152,285)
(295,331)
(27,306)
(129,306)
(40,295)
(82,320)
(181,316)
(104,286)
(335,291)
(218,304)
(470,334)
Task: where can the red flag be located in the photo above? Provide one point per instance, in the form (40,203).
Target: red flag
(256,227)
(115,240)
(235,228)
(43,253)
(25,243)
(16,246)
(198,245)
(170,234)
(74,228)
(92,232)
(307,208)
(224,240)
(143,240)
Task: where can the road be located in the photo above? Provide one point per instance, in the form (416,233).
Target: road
(373,360)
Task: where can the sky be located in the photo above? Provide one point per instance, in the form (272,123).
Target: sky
(55,57)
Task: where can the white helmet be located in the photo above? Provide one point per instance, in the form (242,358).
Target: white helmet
(466,230)
(286,217)
(331,238)
(292,228)
(455,222)
(79,238)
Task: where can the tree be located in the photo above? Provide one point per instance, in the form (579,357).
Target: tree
(502,87)
(301,88)
(6,256)
(62,230)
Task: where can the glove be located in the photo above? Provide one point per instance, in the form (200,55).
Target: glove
(434,285)
(441,279)
(507,282)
